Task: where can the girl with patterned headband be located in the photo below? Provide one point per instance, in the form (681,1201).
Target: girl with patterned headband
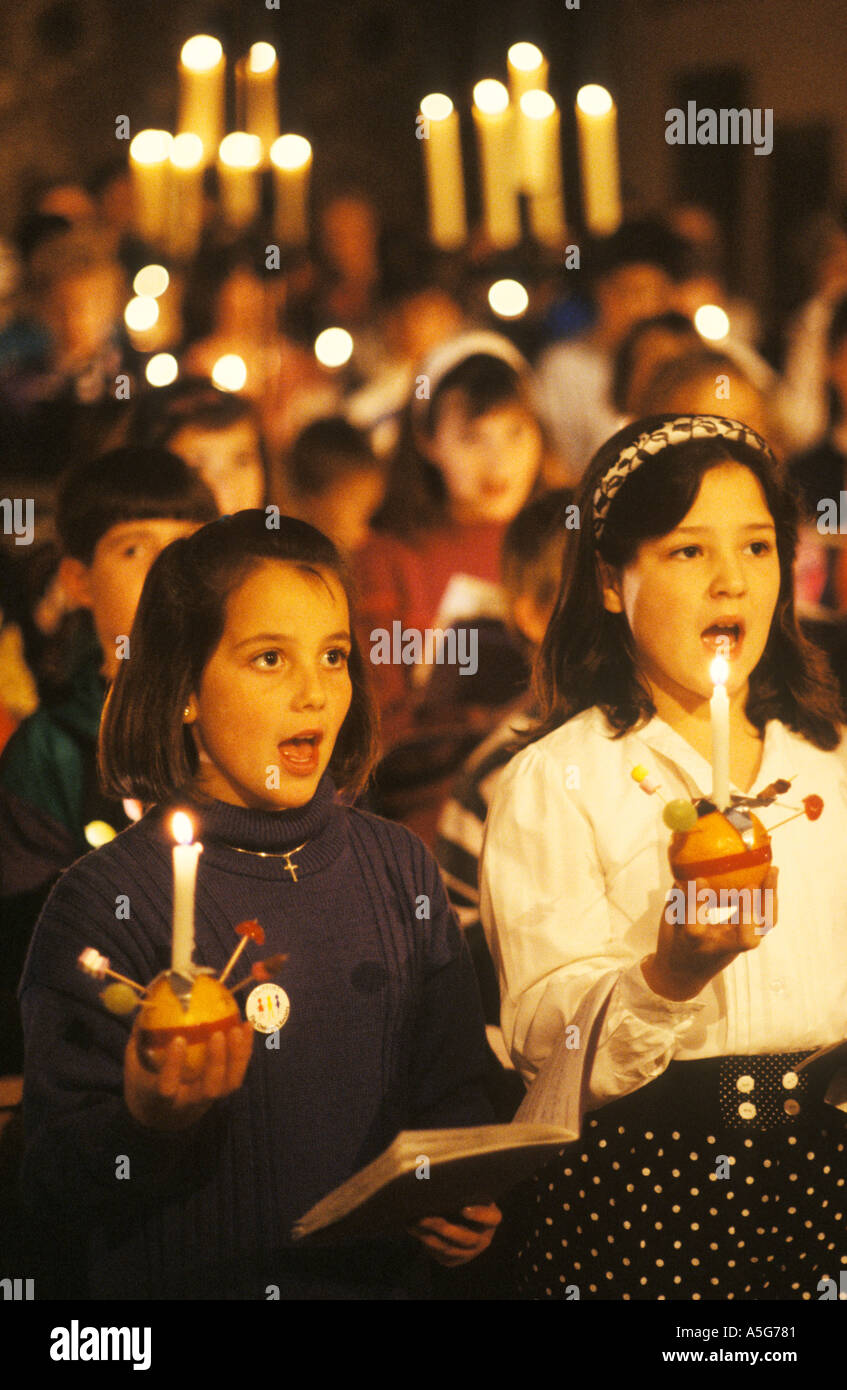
(702,1136)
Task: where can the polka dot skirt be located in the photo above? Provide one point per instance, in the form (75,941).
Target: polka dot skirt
(722,1179)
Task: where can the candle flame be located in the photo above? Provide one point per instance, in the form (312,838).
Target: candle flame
(182,827)
(241,151)
(525,56)
(594,100)
(201,53)
(537,104)
(490,96)
(291,152)
(262,57)
(719,671)
(436,107)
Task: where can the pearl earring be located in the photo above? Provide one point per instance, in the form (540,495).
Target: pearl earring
(186,712)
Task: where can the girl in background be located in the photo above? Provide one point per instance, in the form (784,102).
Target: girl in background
(469,458)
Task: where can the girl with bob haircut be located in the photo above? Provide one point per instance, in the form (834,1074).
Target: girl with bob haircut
(681,1037)
(245,701)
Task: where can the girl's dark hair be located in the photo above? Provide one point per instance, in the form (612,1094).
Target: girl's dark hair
(588,655)
(416,498)
(145,749)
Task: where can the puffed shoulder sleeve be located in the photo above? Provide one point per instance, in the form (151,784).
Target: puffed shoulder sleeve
(565,967)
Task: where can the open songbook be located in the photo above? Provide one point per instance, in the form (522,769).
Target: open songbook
(431,1172)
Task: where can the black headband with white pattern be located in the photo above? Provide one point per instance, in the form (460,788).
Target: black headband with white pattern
(680,430)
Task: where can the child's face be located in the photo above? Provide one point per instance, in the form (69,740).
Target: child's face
(111,585)
(715,577)
(229,460)
(490,463)
(279,674)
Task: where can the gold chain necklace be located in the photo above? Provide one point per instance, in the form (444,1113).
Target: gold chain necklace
(285,854)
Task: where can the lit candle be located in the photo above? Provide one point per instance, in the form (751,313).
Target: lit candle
(719,672)
(186,207)
(202,69)
(445,183)
(597,123)
(185,856)
(527,73)
(240,155)
(148,160)
(542,167)
(527,70)
(493,118)
(291,157)
(256,83)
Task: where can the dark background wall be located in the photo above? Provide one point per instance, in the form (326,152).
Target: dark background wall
(352,72)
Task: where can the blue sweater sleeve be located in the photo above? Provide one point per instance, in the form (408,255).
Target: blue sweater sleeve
(449,1051)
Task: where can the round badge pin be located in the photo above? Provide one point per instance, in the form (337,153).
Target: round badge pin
(267,1008)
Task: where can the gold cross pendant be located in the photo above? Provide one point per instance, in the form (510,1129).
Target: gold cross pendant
(289,867)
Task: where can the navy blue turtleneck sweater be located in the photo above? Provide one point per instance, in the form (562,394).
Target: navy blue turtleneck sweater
(385,1033)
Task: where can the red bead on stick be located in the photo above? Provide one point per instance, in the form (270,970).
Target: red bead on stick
(253,930)
(813,805)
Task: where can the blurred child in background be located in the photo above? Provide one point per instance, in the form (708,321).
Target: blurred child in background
(214,432)
(468,461)
(333,480)
(115,514)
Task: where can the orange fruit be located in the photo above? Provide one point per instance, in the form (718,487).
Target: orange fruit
(211,1008)
(715,852)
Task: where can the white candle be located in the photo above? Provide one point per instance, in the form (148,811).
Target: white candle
(444,180)
(149,162)
(258,111)
(291,158)
(542,166)
(202,69)
(527,73)
(495,129)
(239,158)
(186,205)
(597,123)
(185,856)
(719,705)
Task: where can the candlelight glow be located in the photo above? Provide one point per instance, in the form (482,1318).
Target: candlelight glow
(436,107)
(508,299)
(490,96)
(202,53)
(333,347)
(537,104)
(230,372)
(291,152)
(719,671)
(711,322)
(182,828)
(594,100)
(240,150)
(141,313)
(151,280)
(262,57)
(162,369)
(187,151)
(151,146)
(525,56)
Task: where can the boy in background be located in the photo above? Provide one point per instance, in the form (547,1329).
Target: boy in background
(114,515)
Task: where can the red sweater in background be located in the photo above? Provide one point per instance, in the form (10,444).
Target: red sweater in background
(406,580)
